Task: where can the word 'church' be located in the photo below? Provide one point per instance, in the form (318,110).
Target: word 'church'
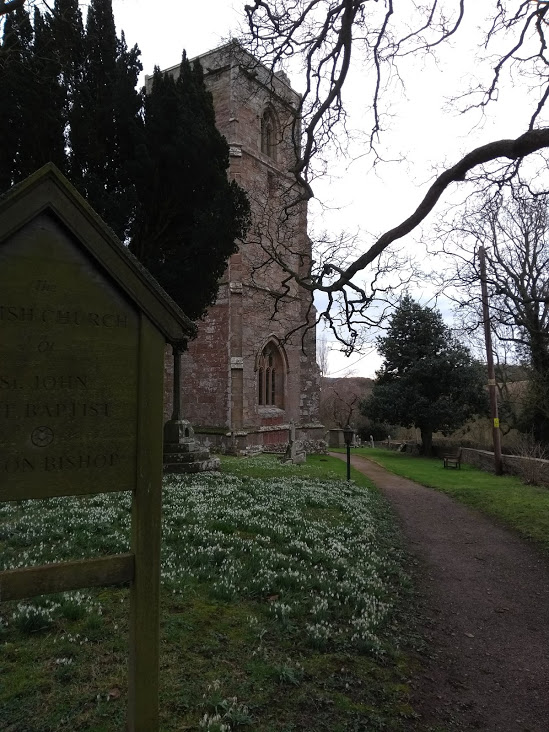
(243,379)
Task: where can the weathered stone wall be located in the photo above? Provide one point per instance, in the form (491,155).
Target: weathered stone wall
(205,391)
(532,470)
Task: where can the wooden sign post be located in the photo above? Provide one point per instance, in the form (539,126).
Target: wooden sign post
(83,329)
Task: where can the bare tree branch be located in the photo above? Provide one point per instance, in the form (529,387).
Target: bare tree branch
(513,227)
(529,142)
(326,35)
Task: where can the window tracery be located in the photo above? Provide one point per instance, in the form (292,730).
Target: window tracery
(270,377)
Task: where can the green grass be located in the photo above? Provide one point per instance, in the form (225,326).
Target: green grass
(317,466)
(523,508)
(283,590)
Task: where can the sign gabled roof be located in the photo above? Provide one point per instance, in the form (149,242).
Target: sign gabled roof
(47,190)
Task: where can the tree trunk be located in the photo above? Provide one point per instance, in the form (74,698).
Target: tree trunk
(427,441)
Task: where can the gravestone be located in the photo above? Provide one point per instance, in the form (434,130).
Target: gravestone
(83,329)
(336,438)
(295,451)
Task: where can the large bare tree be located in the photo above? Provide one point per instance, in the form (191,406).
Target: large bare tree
(332,38)
(513,227)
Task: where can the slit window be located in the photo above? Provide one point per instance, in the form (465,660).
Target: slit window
(268,134)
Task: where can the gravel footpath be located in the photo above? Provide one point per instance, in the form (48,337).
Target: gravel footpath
(485,598)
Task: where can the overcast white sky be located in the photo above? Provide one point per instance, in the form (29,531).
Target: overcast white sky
(163,28)
(421,135)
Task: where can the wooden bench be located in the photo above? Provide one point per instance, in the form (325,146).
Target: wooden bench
(452,458)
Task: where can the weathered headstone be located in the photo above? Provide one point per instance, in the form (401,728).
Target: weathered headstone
(299,456)
(82,338)
(295,451)
(336,438)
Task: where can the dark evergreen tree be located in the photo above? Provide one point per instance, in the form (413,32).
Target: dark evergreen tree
(189,215)
(91,132)
(32,119)
(69,54)
(69,95)
(428,379)
(15,82)
(128,131)
(42,120)
(105,120)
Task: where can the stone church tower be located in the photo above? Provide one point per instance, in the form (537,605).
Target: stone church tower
(244,380)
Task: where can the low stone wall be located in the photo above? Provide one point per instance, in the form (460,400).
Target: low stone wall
(270,438)
(408,446)
(311,447)
(532,470)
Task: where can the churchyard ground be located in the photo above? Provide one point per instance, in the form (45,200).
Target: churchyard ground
(483,592)
(507,499)
(283,590)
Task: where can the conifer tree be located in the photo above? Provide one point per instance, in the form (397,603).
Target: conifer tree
(15,82)
(105,120)
(31,119)
(34,62)
(428,379)
(189,214)
(42,141)
(69,54)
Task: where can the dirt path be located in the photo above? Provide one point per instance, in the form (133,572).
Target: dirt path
(486,599)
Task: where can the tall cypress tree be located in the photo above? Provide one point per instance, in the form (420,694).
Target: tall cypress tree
(189,214)
(42,142)
(69,54)
(31,113)
(128,132)
(105,120)
(8,128)
(92,134)
(15,82)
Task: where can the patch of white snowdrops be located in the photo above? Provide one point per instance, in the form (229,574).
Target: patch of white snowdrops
(318,554)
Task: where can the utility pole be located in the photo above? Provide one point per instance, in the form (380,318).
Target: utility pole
(496,434)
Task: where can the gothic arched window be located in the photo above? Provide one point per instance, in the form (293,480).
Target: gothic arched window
(270,377)
(268,134)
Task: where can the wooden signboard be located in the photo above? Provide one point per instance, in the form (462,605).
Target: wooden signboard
(82,336)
